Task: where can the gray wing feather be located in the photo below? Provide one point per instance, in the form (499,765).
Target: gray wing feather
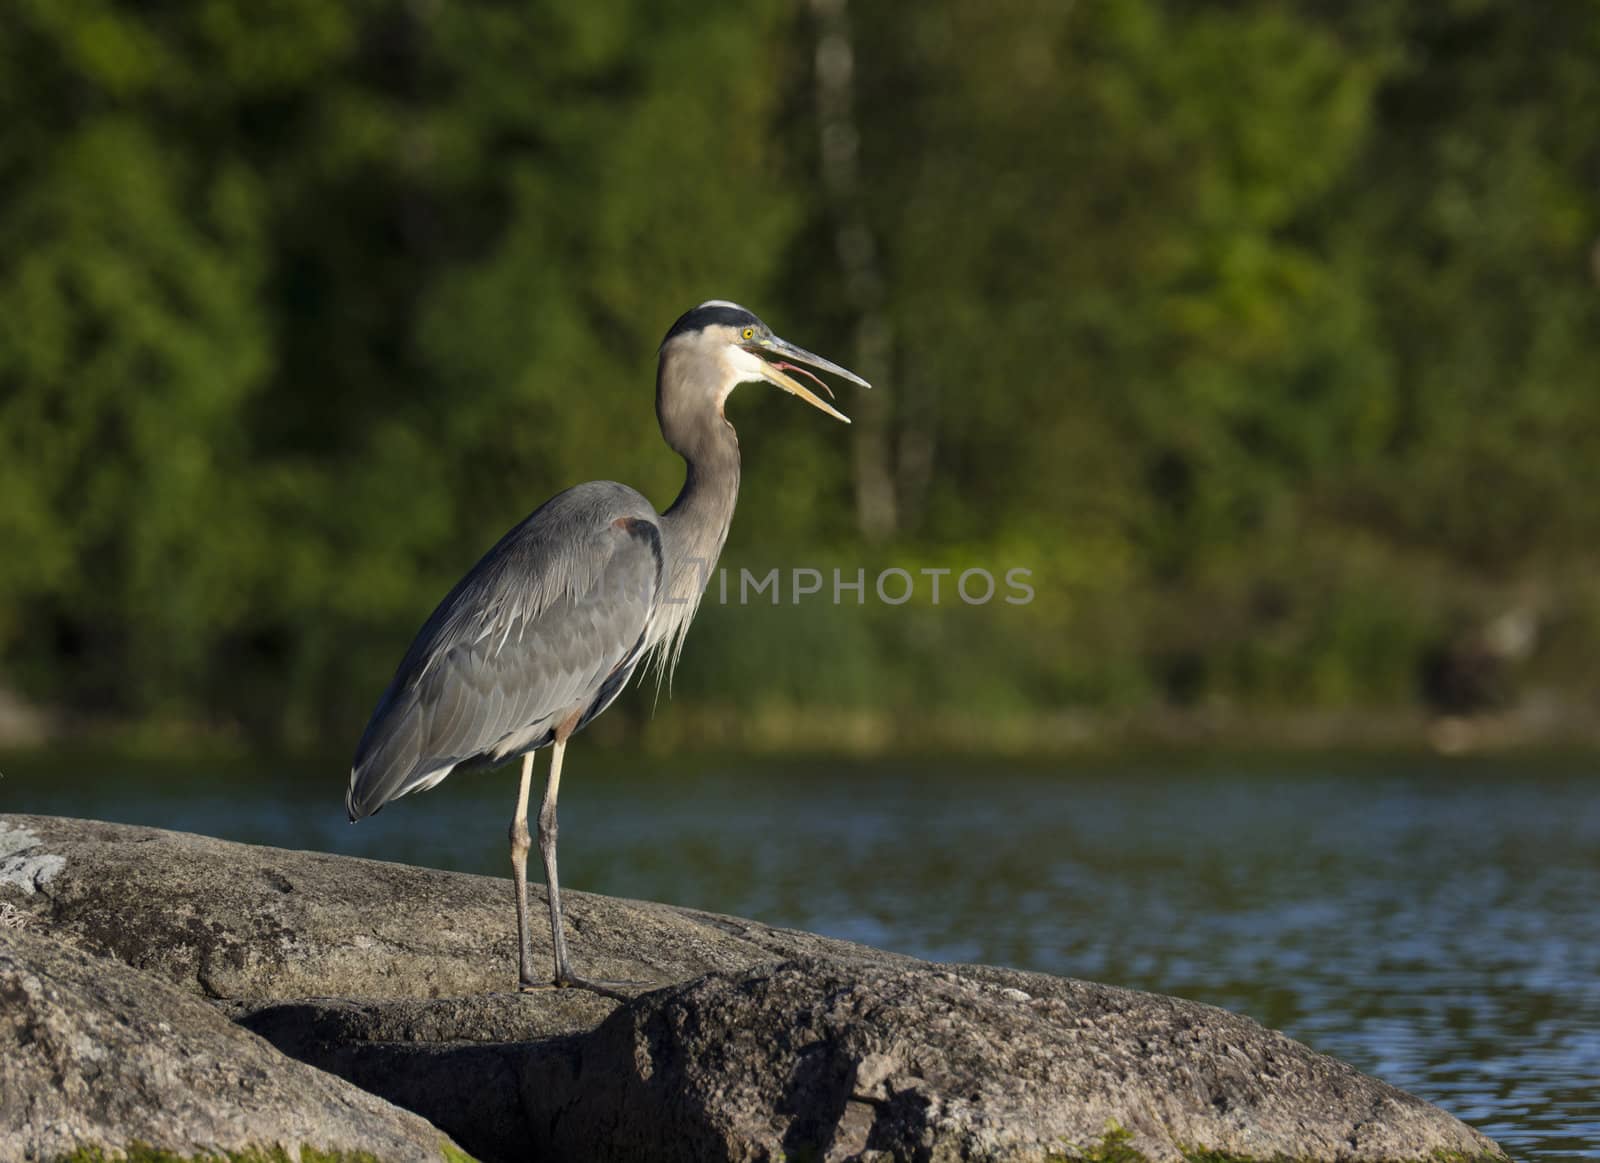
(549,623)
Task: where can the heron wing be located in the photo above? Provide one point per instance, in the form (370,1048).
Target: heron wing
(549,623)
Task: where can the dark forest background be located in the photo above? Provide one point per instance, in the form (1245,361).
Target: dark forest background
(1265,333)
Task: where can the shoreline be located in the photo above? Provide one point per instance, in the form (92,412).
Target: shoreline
(848,733)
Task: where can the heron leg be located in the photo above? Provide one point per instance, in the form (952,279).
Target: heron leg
(519,880)
(564,978)
(547,849)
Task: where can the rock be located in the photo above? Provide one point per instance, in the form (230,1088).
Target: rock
(248,922)
(769,1042)
(493,1072)
(98,1056)
(823,1060)
(828,1059)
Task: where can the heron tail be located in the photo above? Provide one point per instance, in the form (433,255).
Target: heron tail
(388,762)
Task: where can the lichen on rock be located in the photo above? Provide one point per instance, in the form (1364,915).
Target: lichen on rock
(22,864)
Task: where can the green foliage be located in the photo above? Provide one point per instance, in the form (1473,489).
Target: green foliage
(143,1153)
(1116,1147)
(1264,334)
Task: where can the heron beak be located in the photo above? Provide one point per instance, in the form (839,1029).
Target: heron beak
(779,357)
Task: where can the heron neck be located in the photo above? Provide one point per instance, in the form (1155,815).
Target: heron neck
(696,526)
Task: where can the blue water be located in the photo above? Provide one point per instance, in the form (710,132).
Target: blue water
(1435,923)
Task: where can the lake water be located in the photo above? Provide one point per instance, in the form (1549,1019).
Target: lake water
(1435,923)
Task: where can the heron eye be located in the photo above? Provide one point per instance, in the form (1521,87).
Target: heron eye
(749,332)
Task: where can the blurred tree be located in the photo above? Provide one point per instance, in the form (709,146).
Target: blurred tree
(306,304)
(1262,333)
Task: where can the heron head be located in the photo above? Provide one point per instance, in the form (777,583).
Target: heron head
(718,345)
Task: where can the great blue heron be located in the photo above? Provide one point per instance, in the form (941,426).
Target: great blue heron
(548,627)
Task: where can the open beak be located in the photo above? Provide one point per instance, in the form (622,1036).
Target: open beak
(779,357)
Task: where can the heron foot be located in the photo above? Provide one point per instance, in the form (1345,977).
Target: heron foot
(611,989)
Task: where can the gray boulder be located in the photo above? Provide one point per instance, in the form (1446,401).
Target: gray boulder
(98,1056)
(767,1043)
(242,921)
(839,1060)
(816,1059)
